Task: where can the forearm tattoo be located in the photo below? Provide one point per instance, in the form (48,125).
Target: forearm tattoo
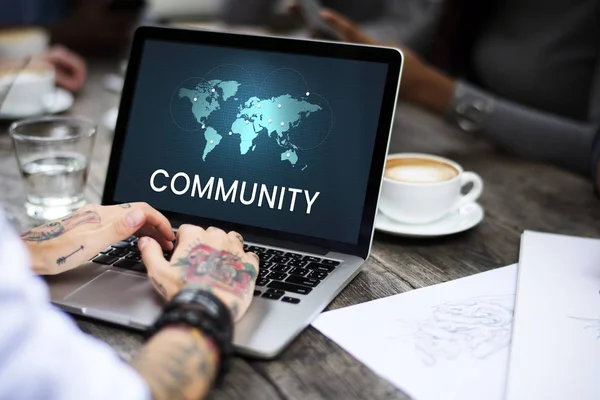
(177,370)
(211,268)
(58,228)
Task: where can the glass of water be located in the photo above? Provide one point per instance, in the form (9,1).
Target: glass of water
(54,157)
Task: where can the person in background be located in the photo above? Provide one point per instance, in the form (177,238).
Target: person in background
(404,21)
(70,69)
(208,284)
(89,27)
(524,74)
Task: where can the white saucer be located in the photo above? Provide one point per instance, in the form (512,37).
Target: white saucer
(110,119)
(464,218)
(58,101)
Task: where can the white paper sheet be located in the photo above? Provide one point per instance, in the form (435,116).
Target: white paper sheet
(556,343)
(447,341)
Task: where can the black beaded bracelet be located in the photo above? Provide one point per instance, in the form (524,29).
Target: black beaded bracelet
(202,310)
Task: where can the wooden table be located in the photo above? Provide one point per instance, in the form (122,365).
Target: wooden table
(518,195)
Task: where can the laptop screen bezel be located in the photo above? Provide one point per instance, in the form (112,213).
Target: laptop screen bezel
(391,57)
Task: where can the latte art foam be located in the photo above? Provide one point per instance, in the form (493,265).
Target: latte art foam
(419,170)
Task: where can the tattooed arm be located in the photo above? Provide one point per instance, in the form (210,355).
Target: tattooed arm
(209,259)
(66,243)
(179,362)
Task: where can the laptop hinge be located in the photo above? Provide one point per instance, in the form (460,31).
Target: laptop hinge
(305,248)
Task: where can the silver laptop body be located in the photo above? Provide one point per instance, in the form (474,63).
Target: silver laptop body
(280,310)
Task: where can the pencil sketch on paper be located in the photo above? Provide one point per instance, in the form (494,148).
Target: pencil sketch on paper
(475,327)
(590,323)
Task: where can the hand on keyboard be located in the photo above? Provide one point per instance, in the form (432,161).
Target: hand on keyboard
(209,259)
(69,242)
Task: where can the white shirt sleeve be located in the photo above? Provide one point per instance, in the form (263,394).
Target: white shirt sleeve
(43,354)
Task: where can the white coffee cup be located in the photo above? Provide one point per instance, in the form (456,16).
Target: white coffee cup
(28,88)
(18,43)
(421,188)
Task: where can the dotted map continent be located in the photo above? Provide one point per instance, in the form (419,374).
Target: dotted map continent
(274,116)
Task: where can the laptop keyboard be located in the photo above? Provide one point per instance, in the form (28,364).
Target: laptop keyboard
(124,255)
(282,275)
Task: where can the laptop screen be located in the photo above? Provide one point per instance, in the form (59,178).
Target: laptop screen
(259,138)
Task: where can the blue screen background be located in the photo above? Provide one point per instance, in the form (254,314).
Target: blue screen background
(340,137)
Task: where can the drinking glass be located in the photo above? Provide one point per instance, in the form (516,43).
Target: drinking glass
(54,156)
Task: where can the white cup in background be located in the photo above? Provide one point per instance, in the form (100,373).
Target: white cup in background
(28,87)
(19,43)
(421,188)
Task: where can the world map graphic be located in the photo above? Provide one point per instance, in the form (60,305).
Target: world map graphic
(226,109)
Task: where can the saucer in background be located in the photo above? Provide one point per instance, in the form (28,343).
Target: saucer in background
(110,118)
(56,102)
(461,220)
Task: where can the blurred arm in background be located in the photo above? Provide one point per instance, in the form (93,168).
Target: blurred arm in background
(411,22)
(70,69)
(535,92)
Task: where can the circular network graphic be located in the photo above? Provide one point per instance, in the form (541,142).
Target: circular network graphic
(231,108)
(189,95)
(230,72)
(313,128)
(227,103)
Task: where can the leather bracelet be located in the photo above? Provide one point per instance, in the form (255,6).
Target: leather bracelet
(202,310)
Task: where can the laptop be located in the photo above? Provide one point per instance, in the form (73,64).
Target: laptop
(281,140)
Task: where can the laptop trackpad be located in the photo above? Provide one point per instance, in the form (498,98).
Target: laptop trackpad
(118,297)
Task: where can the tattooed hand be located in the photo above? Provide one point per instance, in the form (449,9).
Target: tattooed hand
(66,243)
(209,259)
